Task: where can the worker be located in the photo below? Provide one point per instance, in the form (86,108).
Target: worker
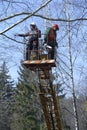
(33,34)
(50,40)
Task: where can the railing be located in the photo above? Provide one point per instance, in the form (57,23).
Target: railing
(35,55)
(38,57)
(42,52)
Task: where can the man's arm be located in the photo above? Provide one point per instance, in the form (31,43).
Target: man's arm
(23,35)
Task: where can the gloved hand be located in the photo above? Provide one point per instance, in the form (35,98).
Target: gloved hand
(47,46)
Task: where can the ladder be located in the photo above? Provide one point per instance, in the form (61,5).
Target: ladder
(48,99)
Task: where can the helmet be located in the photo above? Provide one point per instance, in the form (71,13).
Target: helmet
(33,24)
(55,26)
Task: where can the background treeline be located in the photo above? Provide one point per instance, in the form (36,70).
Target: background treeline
(20,107)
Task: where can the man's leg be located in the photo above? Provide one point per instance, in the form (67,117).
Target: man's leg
(51,54)
(28,51)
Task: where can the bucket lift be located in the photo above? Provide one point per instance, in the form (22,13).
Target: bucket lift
(49,100)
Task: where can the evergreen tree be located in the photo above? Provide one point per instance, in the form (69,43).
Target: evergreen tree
(27,105)
(6,98)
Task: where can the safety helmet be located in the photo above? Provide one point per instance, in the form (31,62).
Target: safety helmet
(32,24)
(56,27)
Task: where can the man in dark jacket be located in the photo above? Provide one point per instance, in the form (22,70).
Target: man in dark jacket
(50,40)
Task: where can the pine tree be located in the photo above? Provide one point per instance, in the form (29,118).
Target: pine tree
(6,98)
(27,105)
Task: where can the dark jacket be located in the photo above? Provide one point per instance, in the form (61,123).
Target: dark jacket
(50,37)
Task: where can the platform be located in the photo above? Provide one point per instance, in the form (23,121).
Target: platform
(39,63)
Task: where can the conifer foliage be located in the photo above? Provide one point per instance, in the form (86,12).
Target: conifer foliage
(6,98)
(27,104)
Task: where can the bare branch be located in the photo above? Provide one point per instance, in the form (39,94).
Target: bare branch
(41,16)
(25,17)
(12,39)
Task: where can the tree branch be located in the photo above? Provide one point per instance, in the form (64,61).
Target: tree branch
(13,39)
(41,16)
(25,17)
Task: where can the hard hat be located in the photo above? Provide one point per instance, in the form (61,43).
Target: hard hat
(33,24)
(55,26)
